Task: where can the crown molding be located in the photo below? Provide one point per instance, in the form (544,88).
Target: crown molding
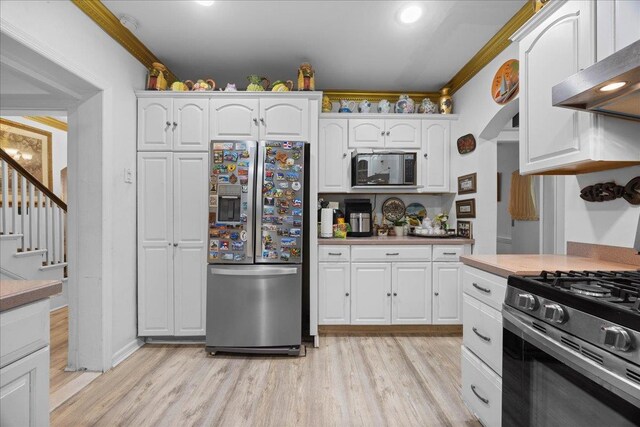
(49,121)
(492,48)
(106,20)
(349,95)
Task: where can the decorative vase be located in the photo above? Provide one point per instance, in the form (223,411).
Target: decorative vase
(257,83)
(384,106)
(399,230)
(446,103)
(405,105)
(427,107)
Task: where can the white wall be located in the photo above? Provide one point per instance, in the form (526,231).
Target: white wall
(79,44)
(58,148)
(607,223)
(476,108)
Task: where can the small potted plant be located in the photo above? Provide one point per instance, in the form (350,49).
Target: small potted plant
(398,227)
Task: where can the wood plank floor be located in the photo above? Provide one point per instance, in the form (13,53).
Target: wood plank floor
(59,328)
(402,380)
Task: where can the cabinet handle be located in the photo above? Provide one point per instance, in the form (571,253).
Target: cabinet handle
(436,293)
(388,133)
(335,253)
(382,133)
(175,125)
(262,120)
(393,253)
(175,244)
(347,294)
(482,337)
(485,290)
(448,253)
(255,121)
(395,294)
(388,294)
(426,156)
(168,123)
(344,155)
(483,399)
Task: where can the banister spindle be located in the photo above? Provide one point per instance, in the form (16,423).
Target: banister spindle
(23,211)
(32,217)
(14,201)
(61,230)
(46,230)
(54,233)
(5,190)
(38,219)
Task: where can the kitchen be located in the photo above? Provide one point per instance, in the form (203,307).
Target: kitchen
(365,330)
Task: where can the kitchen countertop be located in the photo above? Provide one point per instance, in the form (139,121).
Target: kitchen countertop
(396,240)
(14,293)
(505,265)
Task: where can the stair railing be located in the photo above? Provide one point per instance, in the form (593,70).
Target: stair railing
(31,211)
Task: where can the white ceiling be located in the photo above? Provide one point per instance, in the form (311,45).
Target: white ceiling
(356,45)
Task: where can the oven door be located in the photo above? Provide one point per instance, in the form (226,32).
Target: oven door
(545,383)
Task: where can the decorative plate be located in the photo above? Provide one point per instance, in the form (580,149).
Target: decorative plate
(416,210)
(393,209)
(466,144)
(505,84)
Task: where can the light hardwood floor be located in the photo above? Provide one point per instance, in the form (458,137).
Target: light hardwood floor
(349,381)
(59,328)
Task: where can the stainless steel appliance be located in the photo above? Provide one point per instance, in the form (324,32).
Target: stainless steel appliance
(358,213)
(389,168)
(257,238)
(571,350)
(610,86)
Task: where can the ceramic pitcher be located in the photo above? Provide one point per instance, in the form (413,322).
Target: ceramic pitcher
(384,106)
(364,106)
(347,106)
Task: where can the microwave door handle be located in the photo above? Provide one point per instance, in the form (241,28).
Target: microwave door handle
(622,387)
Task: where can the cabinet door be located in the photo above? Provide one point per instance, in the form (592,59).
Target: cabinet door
(24,391)
(155,124)
(334,159)
(411,288)
(618,26)
(284,119)
(402,134)
(370,294)
(234,119)
(366,133)
(334,299)
(551,137)
(155,244)
(447,293)
(191,210)
(435,150)
(191,128)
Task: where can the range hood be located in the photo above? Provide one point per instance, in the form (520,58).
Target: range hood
(584,90)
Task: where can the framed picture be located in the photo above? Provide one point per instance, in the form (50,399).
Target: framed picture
(465,229)
(30,147)
(467,183)
(466,208)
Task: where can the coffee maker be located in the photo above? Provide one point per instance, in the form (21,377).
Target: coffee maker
(358,213)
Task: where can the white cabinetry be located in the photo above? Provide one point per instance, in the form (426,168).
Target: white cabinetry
(263,118)
(172,235)
(335,161)
(166,124)
(411,293)
(371,293)
(384,133)
(436,135)
(447,293)
(618,25)
(334,301)
(557,42)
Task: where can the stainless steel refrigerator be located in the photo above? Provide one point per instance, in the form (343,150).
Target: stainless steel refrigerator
(257,238)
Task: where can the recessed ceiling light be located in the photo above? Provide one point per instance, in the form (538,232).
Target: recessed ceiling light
(205,3)
(612,86)
(410,14)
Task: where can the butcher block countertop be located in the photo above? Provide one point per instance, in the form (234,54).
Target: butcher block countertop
(395,240)
(523,265)
(14,293)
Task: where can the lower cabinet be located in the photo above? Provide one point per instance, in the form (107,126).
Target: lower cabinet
(24,391)
(371,288)
(411,293)
(334,299)
(447,293)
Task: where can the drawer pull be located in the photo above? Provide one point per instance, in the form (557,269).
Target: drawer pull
(393,253)
(449,253)
(475,285)
(482,337)
(335,253)
(483,399)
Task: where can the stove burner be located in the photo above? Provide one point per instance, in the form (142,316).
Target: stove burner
(592,290)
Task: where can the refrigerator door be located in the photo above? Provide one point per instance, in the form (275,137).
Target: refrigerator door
(254,307)
(279,212)
(231,202)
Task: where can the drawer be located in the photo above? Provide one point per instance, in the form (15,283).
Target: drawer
(447,252)
(484,286)
(482,332)
(391,253)
(481,390)
(25,329)
(334,253)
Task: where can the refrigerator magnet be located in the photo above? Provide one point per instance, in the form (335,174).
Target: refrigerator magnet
(296,212)
(243,172)
(287,145)
(237,246)
(287,242)
(295,155)
(295,232)
(269,201)
(296,186)
(234,235)
(224,245)
(233,178)
(243,164)
(223,146)
(241,146)
(218,157)
(245,154)
(227,257)
(290,162)
(244,180)
(213,245)
(243,235)
(230,156)
(231,167)
(223,179)
(238,257)
(280,176)
(285,255)
(284,203)
(283,185)
(214,255)
(245,188)
(297,203)
(295,252)
(297,223)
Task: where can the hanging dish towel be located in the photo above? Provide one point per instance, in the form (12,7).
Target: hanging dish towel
(522,202)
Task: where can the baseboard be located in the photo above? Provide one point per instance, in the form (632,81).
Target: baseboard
(52,309)
(426,330)
(126,351)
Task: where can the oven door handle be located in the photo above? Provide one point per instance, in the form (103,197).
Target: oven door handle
(516,322)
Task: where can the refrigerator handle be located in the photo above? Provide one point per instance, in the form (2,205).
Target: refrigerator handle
(259,199)
(255,272)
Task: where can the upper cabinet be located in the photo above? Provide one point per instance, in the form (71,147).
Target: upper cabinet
(557,42)
(381,133)
(284,119)
(166,124)
(235,119)
(436,135)
(335,161)
(618,24)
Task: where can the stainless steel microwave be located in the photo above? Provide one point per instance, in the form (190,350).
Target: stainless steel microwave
(379,169)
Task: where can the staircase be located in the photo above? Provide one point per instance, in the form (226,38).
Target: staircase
(32,228)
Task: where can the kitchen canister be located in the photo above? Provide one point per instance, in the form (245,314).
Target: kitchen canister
(326,223)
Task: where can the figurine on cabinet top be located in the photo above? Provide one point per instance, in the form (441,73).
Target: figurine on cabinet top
(306,77)
(257,83)
(282,86)
(157,79)
(201,85)
(327,106)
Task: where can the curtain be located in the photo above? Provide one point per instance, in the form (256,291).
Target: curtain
(522,202)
